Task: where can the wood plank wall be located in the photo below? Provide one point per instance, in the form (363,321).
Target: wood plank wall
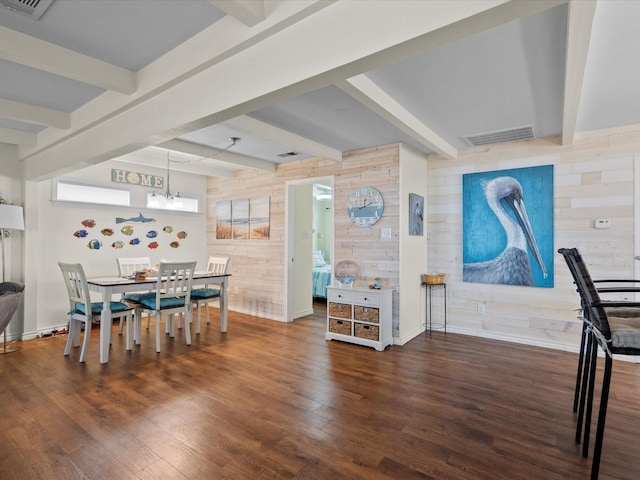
(257,266)
(593,179)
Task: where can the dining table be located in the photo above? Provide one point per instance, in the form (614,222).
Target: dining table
(108,286)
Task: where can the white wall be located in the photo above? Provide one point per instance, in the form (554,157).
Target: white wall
(49,238)
(413,249)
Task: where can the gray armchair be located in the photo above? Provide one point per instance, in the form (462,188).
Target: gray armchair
(10,295)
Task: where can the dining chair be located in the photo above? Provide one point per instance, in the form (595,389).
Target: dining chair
(172,296)
(627,309)
(613,334)
(206,295)
(82,311)
(128,266)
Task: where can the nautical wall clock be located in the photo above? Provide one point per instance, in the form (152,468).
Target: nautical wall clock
(365,206)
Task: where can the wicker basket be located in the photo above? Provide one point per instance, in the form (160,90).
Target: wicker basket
(370,332)
(433,278)
(366,314)
(340,326)
(342,310)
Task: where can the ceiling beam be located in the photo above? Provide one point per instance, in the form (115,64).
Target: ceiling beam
(16,137)
(249,12)
(29,51)
(579,25)
(212,153)
(373,97)
(24,112)
(285,137)
(198,168)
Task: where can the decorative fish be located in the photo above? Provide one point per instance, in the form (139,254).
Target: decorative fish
(118,245)
(182,235)
(140,218)
(80,233)
(168,229)
(89,223)
(153,245)
(127,230)
(134,241)
(107,232)
(174,244)
(94,244)
(152,234)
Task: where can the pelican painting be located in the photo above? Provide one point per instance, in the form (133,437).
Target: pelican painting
(512,255)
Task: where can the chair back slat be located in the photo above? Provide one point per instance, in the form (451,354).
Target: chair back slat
(128,266)
(76,283)
(174,280)
(218,265)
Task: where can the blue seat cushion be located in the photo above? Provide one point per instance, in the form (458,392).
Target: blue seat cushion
(96,307)
(200,293)
(134,297)
(167,302)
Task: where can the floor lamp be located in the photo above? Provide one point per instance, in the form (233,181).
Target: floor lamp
(11,218)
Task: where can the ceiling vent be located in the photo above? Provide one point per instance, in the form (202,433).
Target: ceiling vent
(31,8)
(502,136)
(288,154)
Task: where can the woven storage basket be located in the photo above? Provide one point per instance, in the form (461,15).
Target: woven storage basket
(342,310)
(366,314)
(434,278)
(340,326)
(371,332)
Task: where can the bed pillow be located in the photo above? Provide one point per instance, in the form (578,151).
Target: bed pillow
(318,259)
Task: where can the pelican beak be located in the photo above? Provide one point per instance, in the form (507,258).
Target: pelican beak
(523,219)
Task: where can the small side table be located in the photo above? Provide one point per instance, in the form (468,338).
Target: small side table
(429,302)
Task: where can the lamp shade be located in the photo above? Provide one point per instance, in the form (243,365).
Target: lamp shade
(11,217)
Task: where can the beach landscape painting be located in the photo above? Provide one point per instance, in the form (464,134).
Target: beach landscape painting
(223,219)
(240,218)
(259,220)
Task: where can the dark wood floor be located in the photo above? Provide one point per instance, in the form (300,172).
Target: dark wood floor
(270,400)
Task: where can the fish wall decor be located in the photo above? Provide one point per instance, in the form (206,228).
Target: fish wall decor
(168,229)
(140,219)
(118,244)
(182,235)
(127,230)
(174,244)
(134,241)
(153,245)
(80,233)
(107,232)
(89,223)
(94,244)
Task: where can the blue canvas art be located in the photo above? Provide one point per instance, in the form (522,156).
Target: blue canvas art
(508,227)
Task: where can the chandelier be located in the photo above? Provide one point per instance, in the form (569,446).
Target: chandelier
(173,199)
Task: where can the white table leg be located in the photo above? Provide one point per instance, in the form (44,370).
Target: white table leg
(223,305)
(105,327)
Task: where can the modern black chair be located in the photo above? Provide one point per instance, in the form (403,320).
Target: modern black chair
(613,334)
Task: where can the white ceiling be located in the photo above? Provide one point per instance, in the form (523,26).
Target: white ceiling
(93,80)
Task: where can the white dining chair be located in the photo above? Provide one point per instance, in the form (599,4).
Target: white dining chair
(128,266)
(83,311)
(206,295)
(172,296)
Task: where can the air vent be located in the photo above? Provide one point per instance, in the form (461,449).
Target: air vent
(511,135)
(288,154)
(31,8)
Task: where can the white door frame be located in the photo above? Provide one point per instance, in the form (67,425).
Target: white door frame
(288,236)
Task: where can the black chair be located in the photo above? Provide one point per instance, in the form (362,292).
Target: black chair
(613,334)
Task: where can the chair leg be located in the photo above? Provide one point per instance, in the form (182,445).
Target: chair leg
(206,312)
(583,386)
(602,416)
(85,342)
(71,336)
(137,326)
(576,395)
(587,419)
(198,317)
(128,331)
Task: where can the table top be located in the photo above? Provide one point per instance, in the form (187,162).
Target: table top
(110,281)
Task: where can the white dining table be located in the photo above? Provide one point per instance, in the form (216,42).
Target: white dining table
(107,286)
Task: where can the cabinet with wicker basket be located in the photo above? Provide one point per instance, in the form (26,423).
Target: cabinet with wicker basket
(359,315)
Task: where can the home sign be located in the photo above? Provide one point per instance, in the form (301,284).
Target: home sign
(135,178)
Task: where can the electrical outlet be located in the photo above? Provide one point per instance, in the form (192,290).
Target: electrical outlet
(235,290)
(481,308)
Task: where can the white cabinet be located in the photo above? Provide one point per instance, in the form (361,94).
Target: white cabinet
(359,315)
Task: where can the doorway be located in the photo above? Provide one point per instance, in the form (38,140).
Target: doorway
(308,242)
